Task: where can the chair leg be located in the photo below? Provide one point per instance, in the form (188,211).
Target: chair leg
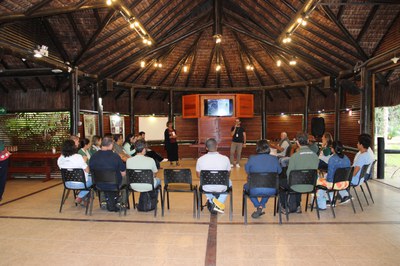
(133,199)
(199,204)
(62,199)
(365,196)
(316,205)
(369,191)
(194,202)
(331,201)
(126,203)
(162,204)
(243,200)
(275,206)
(359,202)
(287,206)
(167,199)
(91,202)
(279,210)
(351,200)
(231,206)
(244,209)
(307,202)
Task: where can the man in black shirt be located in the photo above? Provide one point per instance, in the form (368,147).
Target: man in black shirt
(238,134)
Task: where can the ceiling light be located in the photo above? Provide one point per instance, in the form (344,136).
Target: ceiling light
(218,67)
(304,22)
(185,69)
(56,71)
(293,61)
(159,65)
(249,67)
(109,2)
(142,64)
(299,20)
(41,51)
(278,63)
(395,59)
(156,64)
(218,38)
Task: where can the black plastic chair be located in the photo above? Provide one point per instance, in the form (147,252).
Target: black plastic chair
(341,175)
(363,172)
(301,182)
(369,176)
(140,176)
(262,180)
(74,175)
(109,179)
(179,180)
(215,177)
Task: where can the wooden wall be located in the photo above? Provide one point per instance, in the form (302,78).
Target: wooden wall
(291,124)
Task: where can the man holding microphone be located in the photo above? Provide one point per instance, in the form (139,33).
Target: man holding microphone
(238,134)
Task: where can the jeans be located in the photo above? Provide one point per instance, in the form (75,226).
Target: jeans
(221,197)
(236,146)
(80,185)
(264,193)
(322,198)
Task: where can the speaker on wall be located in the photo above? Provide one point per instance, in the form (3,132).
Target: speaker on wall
(317,126)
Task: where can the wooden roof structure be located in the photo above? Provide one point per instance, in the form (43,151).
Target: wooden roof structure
(96,39)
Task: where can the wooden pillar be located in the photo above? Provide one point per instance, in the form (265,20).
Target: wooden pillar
(307,102)
(99,106)
(263,116)
(338,101)
(132,109)
(74,103)
(171,106)
(366,101)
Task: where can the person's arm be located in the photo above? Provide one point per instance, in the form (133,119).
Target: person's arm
(233,130)
(244,139)
(356,169)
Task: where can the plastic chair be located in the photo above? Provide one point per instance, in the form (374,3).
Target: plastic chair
(363,172)
(179,180)
(301,182)
(143,177)
(109,179)
(369,176)
(341,175)
(74,175)
(215,177)
(262,180)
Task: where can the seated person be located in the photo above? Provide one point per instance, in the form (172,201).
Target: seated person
(213,160)
(117,147)
(140,161)
(338,160)
(106,159)
(325,151)
(96,144)
(84,149)
(71,159)
(263,162)
(312,144)
(128,145)
(364,142)
(370,153)
(283,147)
(150,153)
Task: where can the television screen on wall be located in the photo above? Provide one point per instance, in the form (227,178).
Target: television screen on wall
(218,107)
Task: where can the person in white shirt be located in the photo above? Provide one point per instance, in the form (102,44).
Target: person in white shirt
(214,161)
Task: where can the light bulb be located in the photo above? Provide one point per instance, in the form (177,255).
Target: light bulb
(299,20)
(142,64)
(279,63)
(218,67)
(109,2)
(304,23)
(185,69)
(159,65)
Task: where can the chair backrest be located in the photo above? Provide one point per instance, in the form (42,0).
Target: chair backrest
(289,149)
(342,177)
(73,175)
(303,181)
(214,177)
(363,173)
(263,180)
(370,173)
(177,176)
(141,176)
(105,178)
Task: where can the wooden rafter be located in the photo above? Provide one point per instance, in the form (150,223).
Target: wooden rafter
(387,31)
(192,64)
(367,22)
(212,53)
(3,88)
(76,30)
(36,7)
(226,66)
(36,78)
(6,66)
(51,33)
(341,10)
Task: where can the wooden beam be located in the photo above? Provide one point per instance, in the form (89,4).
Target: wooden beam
(15,17)
(389,27)
(119,94)
(36,7)
(209,66)
(51,33)
(36,78)
(3,88)
(76,31)
(192,64)
(6,66)
(341,10)
(367,22)
(227,67)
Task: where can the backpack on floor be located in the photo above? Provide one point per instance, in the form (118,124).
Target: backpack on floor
(147,201)
(112,200)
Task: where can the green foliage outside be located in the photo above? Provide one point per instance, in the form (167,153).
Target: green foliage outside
(393,121)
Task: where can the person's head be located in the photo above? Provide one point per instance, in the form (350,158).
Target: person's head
(169,124)
(107,143)
(142,135)
(283,135)
(262,146)
(96,140)
(211,145)
(364,142)
(237,122)
(108,135)
(129,138)
(140,146)
(68,148)
(85,143)
(302,138)
(311,139)
(75,139)
(118,138)
(327,139)
(337,147)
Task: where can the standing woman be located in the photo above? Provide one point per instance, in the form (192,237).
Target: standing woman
(4,159)
(171,144)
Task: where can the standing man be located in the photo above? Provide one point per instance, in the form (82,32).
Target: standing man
(238,134)
(4,159)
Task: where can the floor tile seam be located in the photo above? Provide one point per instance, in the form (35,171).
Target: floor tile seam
(378,181)
(30,194)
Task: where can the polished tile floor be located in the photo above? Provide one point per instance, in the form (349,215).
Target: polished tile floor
(33,232)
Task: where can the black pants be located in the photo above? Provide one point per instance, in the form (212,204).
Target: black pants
(3,176)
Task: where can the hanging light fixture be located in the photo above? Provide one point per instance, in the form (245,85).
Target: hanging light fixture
(287,39)
(218,67)
(293,61)
(142,64)
(278,63)
(185,68)
(249,67)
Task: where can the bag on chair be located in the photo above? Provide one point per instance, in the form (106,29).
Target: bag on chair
(147,201)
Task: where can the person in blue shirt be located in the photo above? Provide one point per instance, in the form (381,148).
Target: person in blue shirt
(337,160)
(364,142)
(262,162)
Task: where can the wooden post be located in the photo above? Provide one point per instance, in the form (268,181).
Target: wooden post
(366,84)
(132,109)
(263,116)
(307,102)
(338,101)
(74,103)
(99,106)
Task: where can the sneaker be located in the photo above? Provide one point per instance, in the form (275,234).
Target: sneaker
(210,207)
(231,165)
(345,200)
(298,210)
(217,209)
(219,204)
(328,204)
(103,205)
(237,165)
(164,160)
(257,213)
